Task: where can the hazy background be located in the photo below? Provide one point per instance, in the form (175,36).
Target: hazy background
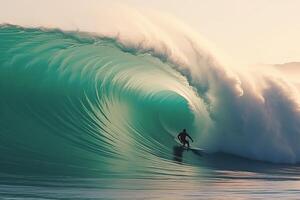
(249,31)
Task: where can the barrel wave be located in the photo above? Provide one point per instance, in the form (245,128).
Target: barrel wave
(72,101)
(80,103)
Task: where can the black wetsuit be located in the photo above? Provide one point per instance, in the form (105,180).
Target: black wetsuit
(182,138)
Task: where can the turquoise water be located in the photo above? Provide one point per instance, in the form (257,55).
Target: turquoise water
(84,116)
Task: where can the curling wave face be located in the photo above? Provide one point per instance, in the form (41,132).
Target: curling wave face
(76,103)
(86,103)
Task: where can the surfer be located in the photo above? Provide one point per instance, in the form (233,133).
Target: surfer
(182,138)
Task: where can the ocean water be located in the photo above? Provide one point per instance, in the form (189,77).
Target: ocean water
(209,177)
(87,116)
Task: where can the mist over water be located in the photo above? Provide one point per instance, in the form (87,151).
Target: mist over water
(108,102)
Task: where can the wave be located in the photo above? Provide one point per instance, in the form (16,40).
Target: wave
(78,102)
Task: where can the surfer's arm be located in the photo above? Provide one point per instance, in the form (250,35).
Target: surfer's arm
(190,138)
(178,136)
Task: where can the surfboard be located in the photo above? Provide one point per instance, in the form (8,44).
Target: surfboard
(195,149)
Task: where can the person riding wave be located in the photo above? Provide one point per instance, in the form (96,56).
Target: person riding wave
(182,138)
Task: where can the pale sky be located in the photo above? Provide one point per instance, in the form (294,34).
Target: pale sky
(251,31)
(248,31)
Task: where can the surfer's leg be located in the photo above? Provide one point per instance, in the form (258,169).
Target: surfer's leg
(188,144)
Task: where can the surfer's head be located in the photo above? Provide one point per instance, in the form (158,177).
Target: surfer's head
(184,130)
